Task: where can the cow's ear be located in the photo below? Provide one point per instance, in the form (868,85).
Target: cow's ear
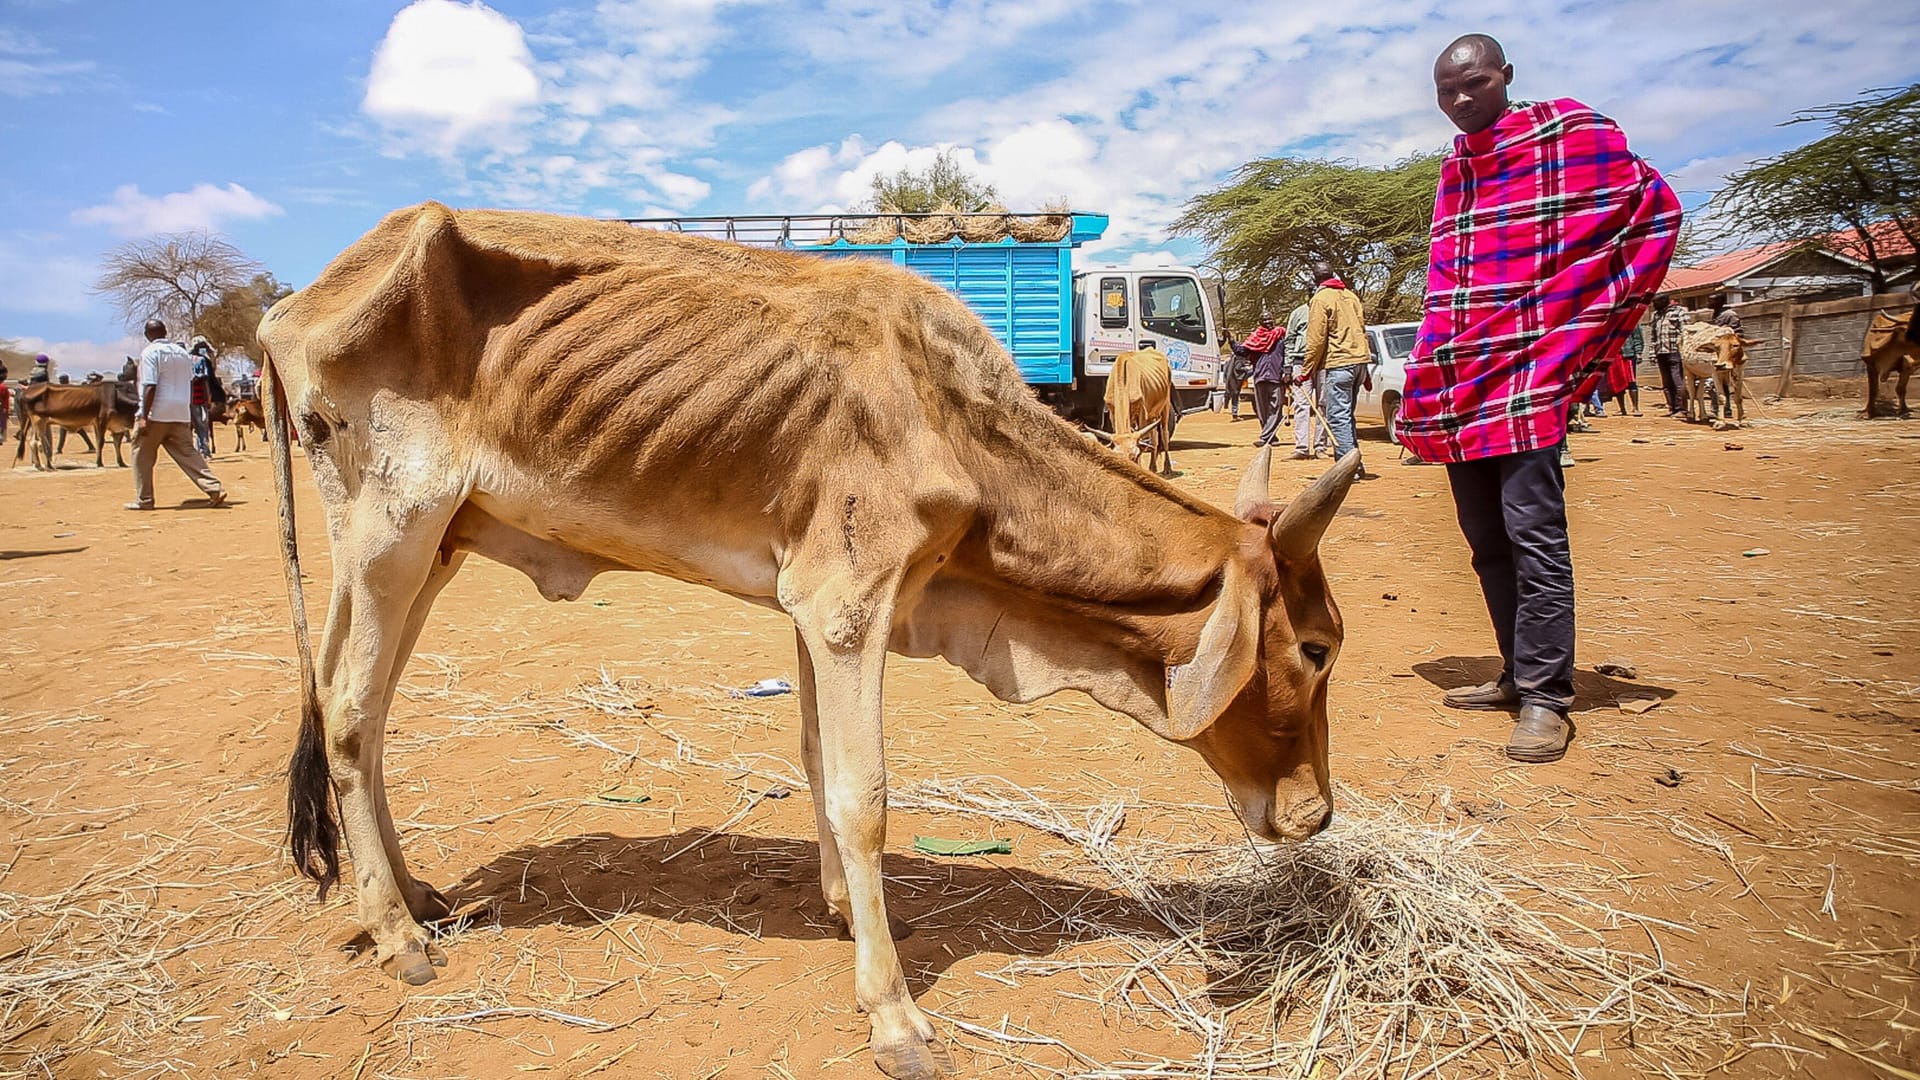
(1199,690)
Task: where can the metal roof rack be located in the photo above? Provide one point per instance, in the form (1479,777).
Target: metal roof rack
(817,230)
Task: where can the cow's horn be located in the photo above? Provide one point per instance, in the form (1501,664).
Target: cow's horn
(1297,532)
(1101,435)
(1254,484)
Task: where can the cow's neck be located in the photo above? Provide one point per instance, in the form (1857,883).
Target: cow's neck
(1082,573)
(1099,537)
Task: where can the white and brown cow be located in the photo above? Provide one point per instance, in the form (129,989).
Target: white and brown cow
(841,441)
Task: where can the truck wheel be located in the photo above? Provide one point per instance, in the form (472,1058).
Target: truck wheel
(1390,414)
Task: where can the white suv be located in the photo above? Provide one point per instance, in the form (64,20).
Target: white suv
(1391,343)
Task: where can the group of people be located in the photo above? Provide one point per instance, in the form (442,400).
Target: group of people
(1317,365)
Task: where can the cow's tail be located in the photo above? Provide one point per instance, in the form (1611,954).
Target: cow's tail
(313,833)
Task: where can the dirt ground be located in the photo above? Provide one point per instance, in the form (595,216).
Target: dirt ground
(1766,809)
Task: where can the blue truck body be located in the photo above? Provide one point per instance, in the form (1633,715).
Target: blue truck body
(1023,291)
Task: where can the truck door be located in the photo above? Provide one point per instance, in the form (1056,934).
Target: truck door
(1173,313)
(1108,322)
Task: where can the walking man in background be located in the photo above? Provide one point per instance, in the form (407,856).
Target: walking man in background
(1336,347)
(1549,238)
(164,419)
(1668,322)
(1623,376)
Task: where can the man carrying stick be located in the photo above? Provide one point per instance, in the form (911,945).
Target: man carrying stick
(1549,238)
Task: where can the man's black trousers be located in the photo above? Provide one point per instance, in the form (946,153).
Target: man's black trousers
(1513,512)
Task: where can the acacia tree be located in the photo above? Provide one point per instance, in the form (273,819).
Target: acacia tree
(229,323)
(945,184)
(176,277)
(1864,175)
(1276,215)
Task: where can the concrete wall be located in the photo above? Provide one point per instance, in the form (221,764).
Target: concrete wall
(1824,337)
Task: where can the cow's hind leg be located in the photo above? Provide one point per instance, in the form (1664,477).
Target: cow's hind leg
(383,558)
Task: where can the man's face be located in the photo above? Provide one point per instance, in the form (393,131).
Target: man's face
(1266,322)
(1471,88)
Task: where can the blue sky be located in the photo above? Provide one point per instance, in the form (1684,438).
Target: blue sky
(292,128)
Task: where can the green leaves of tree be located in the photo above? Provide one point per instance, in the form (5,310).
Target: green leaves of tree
(1277,214)
(1864,171)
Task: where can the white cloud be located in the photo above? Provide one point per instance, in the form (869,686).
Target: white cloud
(133,213)
(27,68)
(451,71)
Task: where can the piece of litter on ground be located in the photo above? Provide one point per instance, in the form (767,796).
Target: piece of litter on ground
(1636,705)
(1389,596)
(765,688)
(1735,446)
(603,603)
(934,845)
(1754,553)
(1618,667)
(1671,778)
(779,791)
(64,535)
(625,795)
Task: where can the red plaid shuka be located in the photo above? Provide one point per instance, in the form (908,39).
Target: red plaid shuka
(1549,239)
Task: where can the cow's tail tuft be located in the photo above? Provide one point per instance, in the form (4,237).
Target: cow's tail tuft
(313,833)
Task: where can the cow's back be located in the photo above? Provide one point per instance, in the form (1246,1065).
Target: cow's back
(594,351)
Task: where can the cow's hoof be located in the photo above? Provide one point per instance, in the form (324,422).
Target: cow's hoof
(415,966)
(428,904)
(913,1059)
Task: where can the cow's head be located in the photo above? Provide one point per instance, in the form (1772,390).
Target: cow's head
(1728,350)
(1128,444)
(1253,699)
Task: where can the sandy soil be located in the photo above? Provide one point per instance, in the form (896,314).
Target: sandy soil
(1761,581)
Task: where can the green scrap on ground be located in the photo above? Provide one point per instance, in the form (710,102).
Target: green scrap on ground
(934,845)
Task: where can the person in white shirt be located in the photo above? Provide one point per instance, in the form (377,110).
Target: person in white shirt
(164,419)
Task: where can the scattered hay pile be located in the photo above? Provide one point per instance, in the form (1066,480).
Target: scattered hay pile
(1387,946)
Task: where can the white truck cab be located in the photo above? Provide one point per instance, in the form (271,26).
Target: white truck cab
(1391,344)
(1116,309)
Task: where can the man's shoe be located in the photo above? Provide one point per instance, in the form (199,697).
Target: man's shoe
(217,500)
(1539,735)
(1566,459)
(139,506)
(1500,694)
(1302,455)
(1363,474)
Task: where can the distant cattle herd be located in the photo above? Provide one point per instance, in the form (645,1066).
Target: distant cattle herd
(44,413)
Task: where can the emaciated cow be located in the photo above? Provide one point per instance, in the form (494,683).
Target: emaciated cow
(842,441)
(84,407)
(1140,407)
(1887,351)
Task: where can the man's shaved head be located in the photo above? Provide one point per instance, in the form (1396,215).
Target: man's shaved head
(1468,47)
(1470,80)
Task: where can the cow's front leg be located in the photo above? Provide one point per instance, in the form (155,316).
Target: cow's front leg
(844,622)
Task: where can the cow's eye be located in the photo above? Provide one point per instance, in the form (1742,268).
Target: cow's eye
(1316,652)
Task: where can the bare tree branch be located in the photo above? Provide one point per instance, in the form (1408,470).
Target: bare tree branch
(173,277)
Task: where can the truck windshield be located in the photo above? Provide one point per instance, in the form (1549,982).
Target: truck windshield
(1399,340)
(1170,306)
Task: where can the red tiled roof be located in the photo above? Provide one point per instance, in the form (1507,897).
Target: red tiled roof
(1888,242)
(1721,268)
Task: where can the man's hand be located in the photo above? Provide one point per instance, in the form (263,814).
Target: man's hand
(139,426)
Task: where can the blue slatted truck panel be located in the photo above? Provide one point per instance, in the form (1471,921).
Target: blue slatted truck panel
(1022,292)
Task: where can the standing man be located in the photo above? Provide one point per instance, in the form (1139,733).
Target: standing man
(164,419)
(1549,238)
(1668,324)
(1336,347)
(41,371)
(1269,380)
(1623,376)
(1247,355)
